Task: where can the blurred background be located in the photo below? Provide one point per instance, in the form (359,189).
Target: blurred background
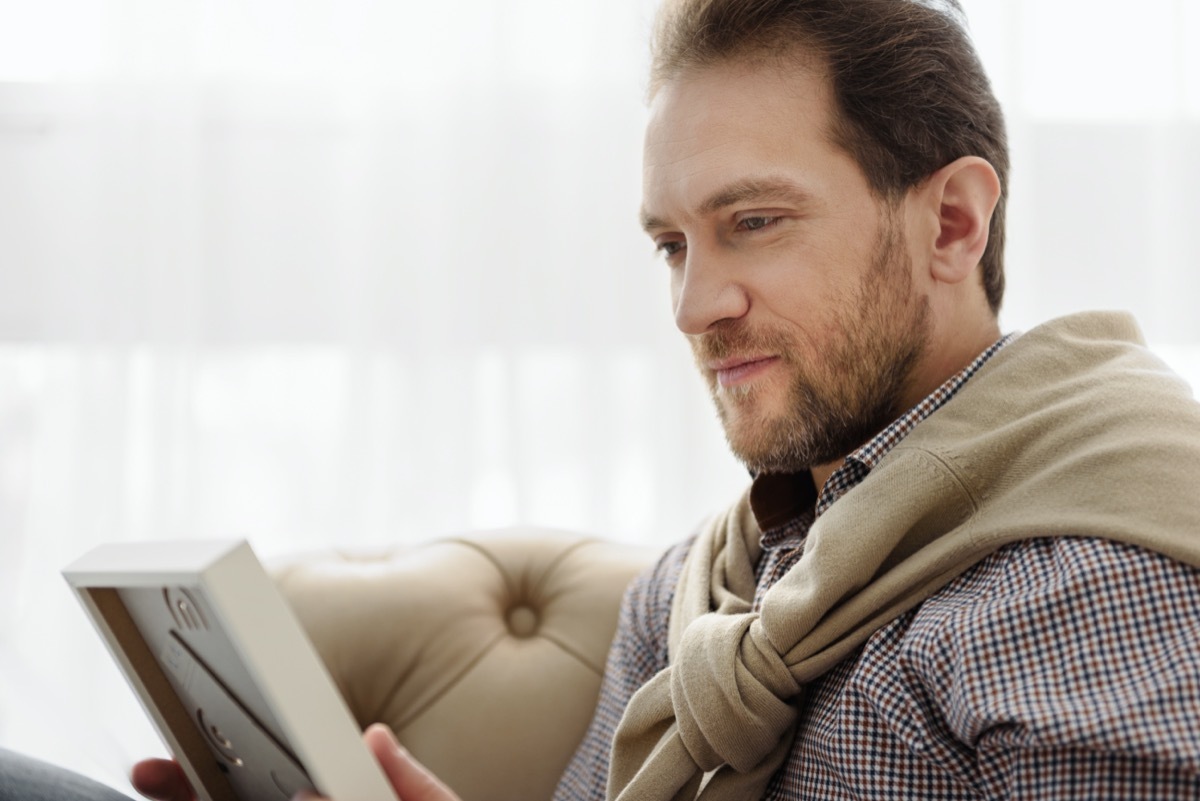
(353,273)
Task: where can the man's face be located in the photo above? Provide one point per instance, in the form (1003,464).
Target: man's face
(791,279)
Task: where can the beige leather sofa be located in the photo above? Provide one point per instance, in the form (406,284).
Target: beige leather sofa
(483,652)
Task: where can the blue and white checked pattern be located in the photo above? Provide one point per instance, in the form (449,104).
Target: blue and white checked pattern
(1065,668)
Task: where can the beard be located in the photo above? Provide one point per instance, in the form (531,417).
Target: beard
(847,393)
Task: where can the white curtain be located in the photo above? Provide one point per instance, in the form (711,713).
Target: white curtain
(352,273)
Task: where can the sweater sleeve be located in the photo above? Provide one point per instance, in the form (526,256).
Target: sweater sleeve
(638,652)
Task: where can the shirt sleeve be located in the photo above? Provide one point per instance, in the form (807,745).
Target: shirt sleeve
(638,652)
(1074,672)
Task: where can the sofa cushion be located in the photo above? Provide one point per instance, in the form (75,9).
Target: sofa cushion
(484,653)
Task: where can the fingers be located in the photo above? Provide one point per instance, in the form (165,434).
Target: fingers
(411,780)
(308,795)
(162,780)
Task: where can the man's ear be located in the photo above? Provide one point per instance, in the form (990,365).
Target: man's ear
(962,195)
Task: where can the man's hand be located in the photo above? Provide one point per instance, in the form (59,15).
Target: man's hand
(410,779)
(163,779)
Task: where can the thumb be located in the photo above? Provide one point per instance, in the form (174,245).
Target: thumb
(411,780)
(161,779)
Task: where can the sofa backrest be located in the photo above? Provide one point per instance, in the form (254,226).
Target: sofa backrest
(483,652)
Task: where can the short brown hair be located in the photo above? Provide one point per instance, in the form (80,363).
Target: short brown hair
(910,90)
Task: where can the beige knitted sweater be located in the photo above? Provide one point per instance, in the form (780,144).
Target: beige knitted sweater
(1074,429)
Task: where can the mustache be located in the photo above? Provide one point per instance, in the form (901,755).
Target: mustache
(739,338)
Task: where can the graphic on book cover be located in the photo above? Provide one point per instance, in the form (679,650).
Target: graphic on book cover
(202,666)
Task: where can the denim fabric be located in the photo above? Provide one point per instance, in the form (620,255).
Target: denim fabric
(23,778)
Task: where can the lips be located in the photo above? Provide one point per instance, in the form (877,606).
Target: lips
(740,369)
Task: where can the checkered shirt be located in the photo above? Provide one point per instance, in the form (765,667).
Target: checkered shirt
(1056,668)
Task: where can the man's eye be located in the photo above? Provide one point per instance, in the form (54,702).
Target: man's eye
(756,223)
(670,247)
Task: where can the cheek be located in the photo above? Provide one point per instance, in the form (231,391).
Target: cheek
(796,297)
(812,283)
(813,316)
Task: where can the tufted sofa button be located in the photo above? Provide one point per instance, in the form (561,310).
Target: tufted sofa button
(522,621)
(452,640)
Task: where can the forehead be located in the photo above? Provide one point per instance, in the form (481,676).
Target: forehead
(737,121)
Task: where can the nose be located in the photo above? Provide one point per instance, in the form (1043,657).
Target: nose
(706,292)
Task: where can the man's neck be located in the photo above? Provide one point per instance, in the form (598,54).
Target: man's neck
(821,473)
(936,373)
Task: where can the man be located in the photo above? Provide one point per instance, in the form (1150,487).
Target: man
(897,612)
(965,567)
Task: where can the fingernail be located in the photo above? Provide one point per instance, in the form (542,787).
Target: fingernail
(391,737)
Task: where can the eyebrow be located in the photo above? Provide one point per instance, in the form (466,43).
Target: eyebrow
(768,188)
